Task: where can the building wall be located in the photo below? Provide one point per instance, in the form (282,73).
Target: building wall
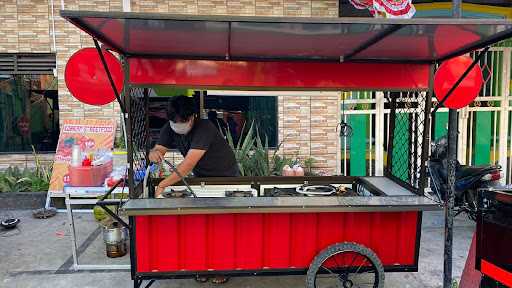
(307,128)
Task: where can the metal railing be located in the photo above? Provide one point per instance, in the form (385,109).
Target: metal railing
(484,126)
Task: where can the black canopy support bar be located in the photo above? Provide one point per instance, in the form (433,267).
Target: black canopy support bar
(504,35)
(102,57)
(104,203)
(372,41)
(450,92)
(228,53)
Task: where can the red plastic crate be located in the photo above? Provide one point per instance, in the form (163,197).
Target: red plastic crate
(89,176)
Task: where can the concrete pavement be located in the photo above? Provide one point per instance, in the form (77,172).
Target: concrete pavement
(39,255)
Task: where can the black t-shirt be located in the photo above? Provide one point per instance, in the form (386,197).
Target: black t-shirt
(219,159)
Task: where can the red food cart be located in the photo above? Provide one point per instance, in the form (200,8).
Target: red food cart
(337,241)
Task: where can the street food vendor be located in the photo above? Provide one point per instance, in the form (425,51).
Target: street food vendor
(206,152)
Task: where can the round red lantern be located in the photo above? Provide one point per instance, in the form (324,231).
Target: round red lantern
(87,79)
(446,76)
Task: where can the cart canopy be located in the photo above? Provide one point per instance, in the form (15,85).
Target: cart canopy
(286,39)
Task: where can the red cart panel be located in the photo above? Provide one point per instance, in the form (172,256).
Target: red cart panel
(171,243)
(292,75)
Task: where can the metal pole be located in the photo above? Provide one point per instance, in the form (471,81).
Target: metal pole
(452,158)
(457,8)
(105,66)
(448,207)
(427,136)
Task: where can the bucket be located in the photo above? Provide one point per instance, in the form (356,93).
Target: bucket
(115,237)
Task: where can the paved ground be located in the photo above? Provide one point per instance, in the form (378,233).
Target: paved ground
(39,255)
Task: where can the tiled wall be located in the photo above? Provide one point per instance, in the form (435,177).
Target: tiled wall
(307,127)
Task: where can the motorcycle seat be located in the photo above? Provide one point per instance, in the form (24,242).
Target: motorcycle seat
(465,171)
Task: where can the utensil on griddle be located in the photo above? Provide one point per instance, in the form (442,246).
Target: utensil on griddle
(173,169)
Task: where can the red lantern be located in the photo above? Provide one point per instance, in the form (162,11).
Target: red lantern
(446,76)
(87,79)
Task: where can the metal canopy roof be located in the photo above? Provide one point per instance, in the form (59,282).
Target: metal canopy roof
(305,39)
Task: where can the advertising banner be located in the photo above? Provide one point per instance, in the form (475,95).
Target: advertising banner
(93,136)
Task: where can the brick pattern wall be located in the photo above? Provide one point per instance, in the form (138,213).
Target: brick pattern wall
(307,127)
(33,26)
(69,40)
(24,26)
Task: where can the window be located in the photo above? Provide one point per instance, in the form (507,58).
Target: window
(29,112)
(239,111)
(231,112)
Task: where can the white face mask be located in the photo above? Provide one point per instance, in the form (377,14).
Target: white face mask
(181,128)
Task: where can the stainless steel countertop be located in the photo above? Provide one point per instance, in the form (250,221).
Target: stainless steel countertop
(388,186)
(185,206)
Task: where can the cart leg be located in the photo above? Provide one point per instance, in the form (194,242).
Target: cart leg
(71,224)
(138,283)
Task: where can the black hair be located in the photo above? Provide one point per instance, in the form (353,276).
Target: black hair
(180,108)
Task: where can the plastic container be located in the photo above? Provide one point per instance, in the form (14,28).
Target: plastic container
(76,156)
(89,176)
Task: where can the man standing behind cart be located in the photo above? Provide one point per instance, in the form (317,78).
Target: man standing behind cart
(206,152)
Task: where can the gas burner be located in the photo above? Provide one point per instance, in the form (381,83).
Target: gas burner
(176,194)
(284,192)
(316,190)
(238,193)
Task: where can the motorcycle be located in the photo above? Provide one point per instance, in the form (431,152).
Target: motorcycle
(468,179)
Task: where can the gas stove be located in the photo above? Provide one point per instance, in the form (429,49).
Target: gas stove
(239,193)
(211,191)
(288,190)
(307,190)
(282,192)
(172,193)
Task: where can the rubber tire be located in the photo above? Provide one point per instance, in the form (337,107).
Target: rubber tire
(340,247)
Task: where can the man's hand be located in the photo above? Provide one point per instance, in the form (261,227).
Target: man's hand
(156,155)
(193,156)
(158,192)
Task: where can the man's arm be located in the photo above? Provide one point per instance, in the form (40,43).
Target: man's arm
(193,156)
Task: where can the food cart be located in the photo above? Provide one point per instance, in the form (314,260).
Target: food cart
(333,239)
(493,235)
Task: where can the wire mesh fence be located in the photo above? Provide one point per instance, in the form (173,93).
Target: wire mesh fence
(139,136)
(406,135)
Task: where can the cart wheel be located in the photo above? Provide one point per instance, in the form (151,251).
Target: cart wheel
(345,265)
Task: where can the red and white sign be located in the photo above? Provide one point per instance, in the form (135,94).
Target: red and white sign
(386,8)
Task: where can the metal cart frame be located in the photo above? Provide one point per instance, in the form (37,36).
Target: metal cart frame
(147,62)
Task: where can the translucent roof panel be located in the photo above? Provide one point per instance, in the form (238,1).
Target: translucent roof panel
(427,42)
(286,39)
(299,40)
(156,37)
